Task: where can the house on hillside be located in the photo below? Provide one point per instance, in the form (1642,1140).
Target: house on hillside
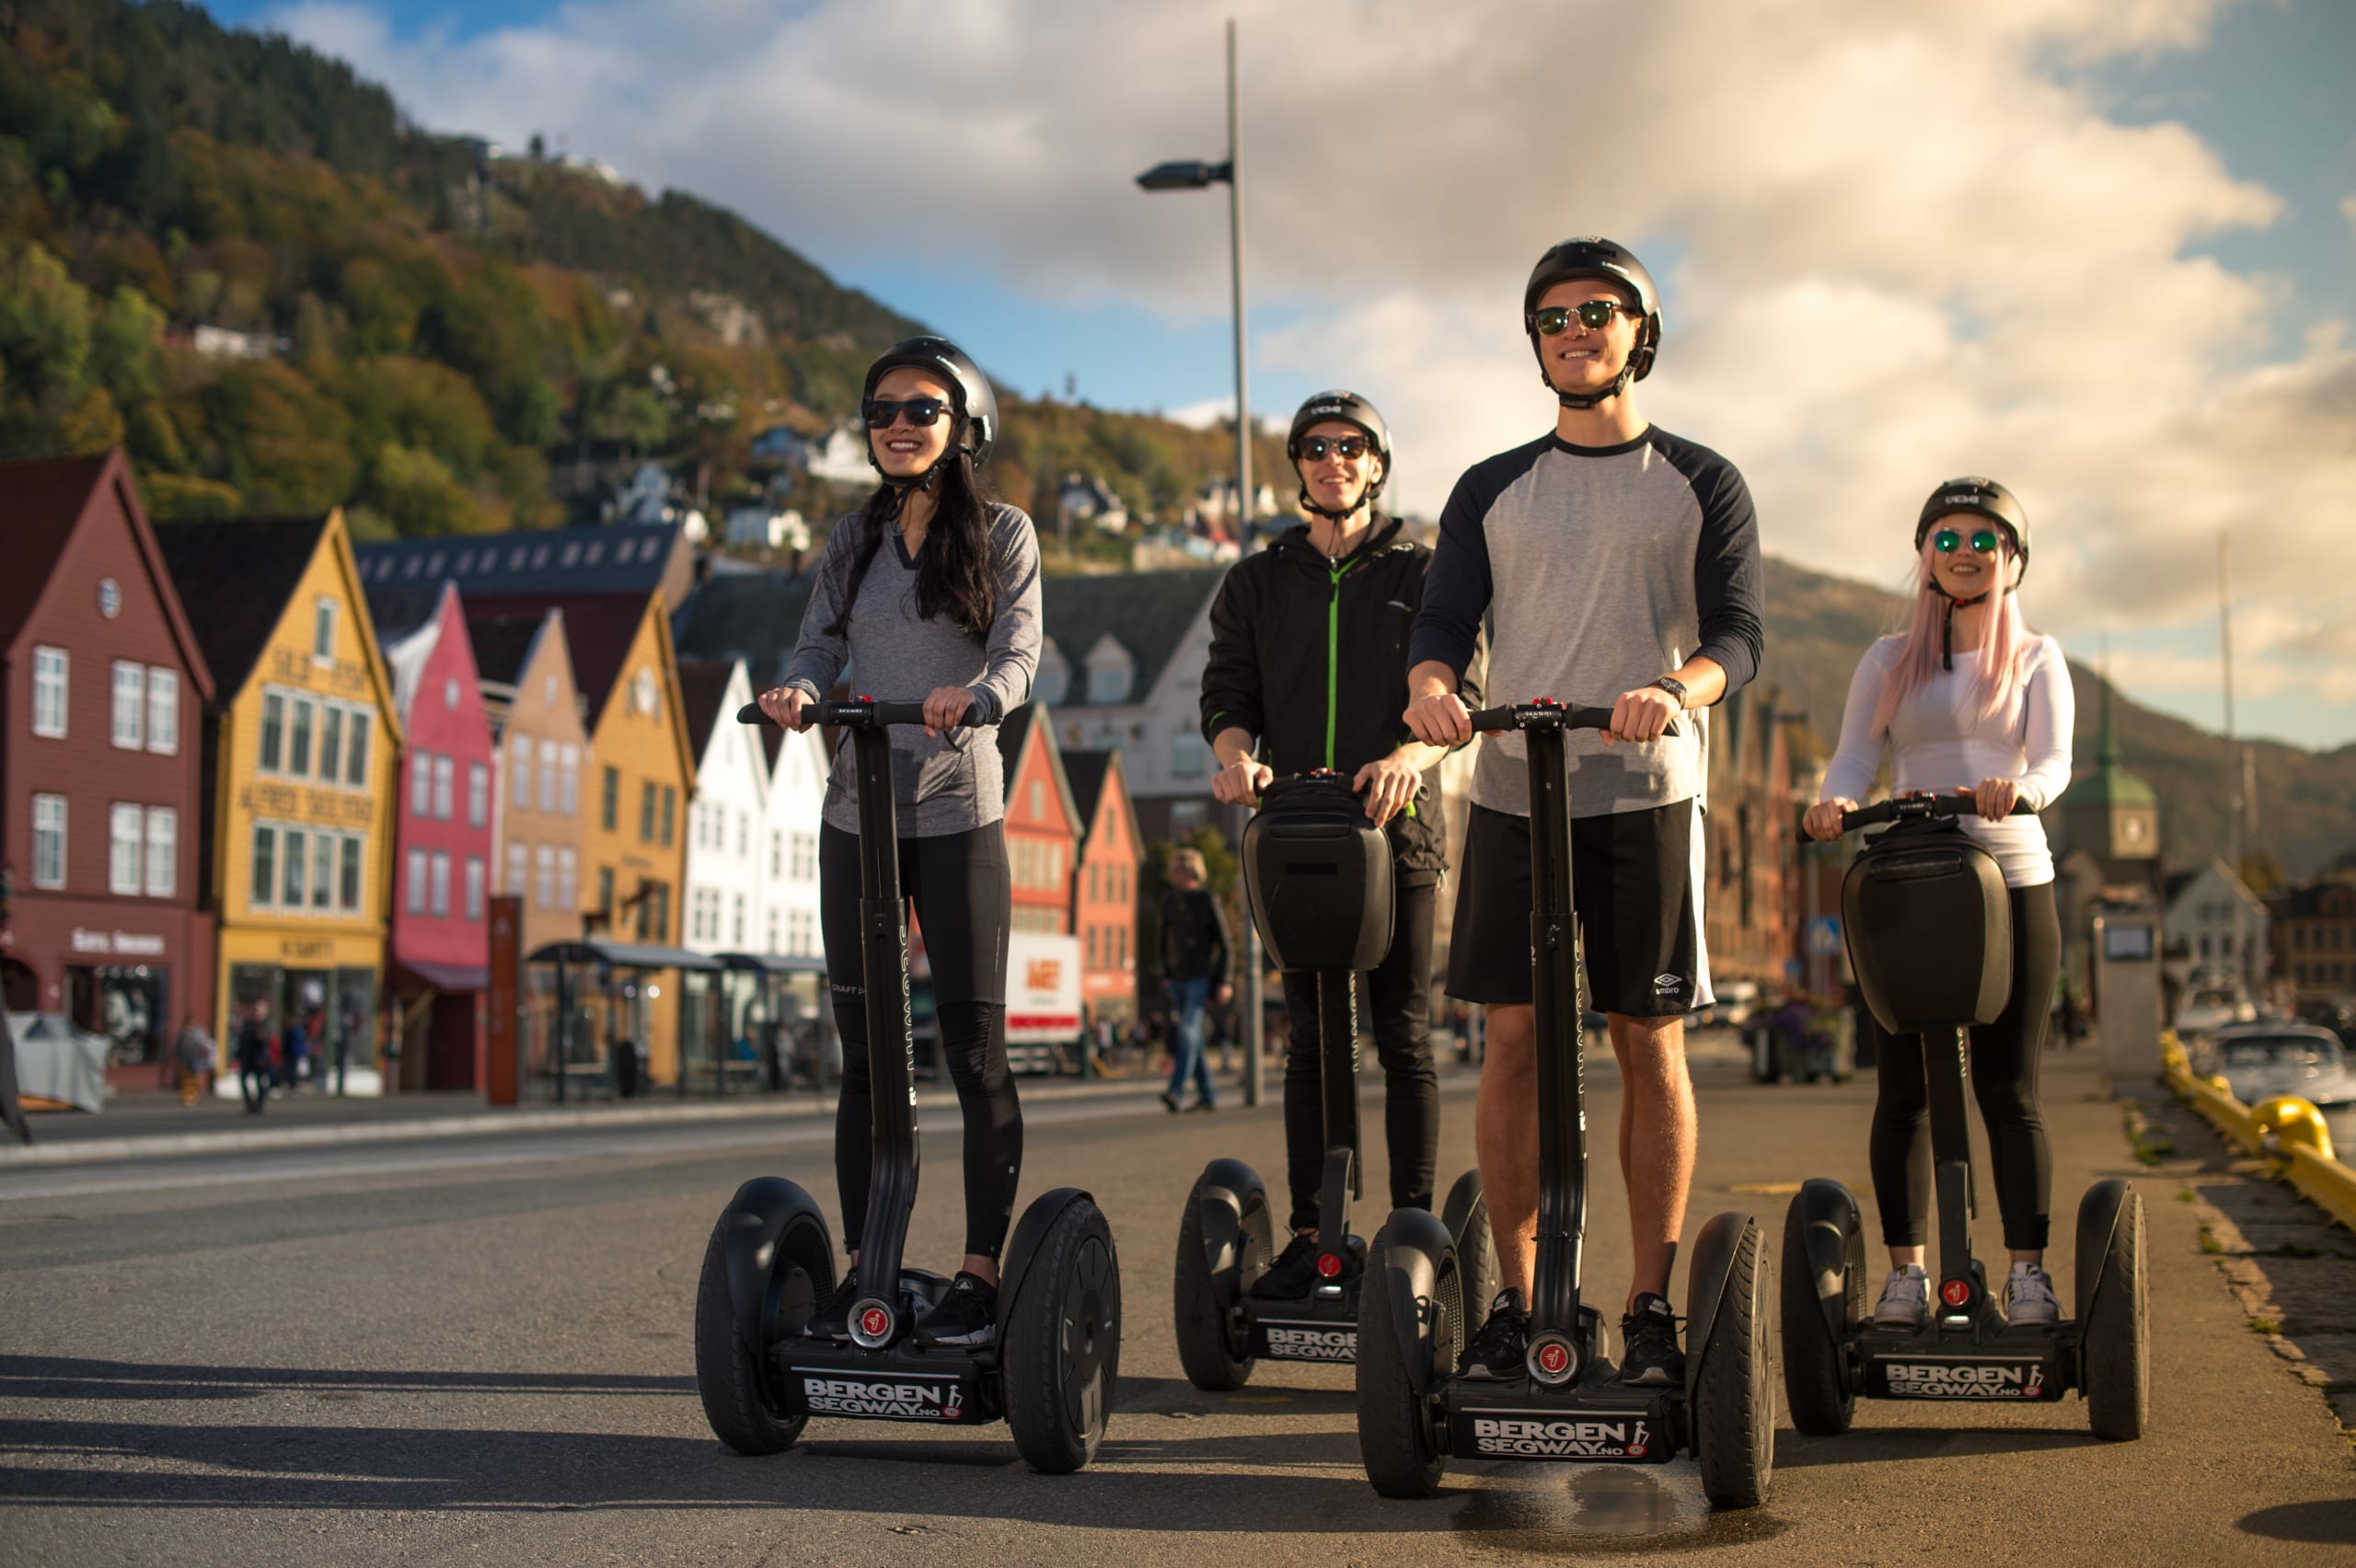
(2211,915)
(1104,887)
(760,527)
(783,446)
(842,458)
(1086,499)
(102,779)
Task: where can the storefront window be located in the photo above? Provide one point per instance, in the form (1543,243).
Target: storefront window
(349,891)
(49,691)
(126,835)
(298,748)
(130,705)
(265,862)
(355,759)
(298,849)
(322,868)
(163,851)
(163,711)
(49,841)
(273,731)
(331,744)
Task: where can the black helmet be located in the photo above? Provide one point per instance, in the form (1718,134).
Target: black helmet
(1590,256)
(1349,408)
(968,388)
(1983,498)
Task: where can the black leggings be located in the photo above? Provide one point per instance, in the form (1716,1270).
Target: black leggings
(2004,1079)
(1399,994)
(960,886)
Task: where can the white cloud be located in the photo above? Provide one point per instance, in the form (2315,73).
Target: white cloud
(1896,242)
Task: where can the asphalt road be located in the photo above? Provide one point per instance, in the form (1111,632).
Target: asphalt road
(479,1350)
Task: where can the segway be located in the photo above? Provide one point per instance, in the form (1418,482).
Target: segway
(1318,873)
(770,1262)
(1930,936)
(1414,1414)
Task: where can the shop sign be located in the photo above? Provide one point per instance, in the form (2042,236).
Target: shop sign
(295,666)
(327,808)
(120,944)
(312,948)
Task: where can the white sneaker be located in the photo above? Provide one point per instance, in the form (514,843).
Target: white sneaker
(1905,1298)
(2028,1295)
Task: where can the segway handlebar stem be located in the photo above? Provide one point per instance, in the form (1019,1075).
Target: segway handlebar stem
(1921,806)
(1546,713)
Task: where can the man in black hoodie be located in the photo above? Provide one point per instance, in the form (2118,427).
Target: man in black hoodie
(1309,669)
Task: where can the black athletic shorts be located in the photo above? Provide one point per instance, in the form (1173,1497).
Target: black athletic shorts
(1635,886)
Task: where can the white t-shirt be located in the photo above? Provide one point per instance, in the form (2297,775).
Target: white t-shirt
(1939,742)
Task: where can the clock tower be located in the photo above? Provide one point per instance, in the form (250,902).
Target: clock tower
(2111,814)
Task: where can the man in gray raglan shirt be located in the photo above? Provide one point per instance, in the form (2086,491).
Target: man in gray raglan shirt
(1620,564)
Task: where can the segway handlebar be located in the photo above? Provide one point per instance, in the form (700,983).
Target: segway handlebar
(1547,712)
(860,711)
(1921,806)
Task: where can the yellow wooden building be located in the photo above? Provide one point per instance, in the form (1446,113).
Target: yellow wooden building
(301,752)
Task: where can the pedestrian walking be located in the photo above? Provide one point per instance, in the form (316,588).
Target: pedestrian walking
(1194,951)
(197,1055)
(253,1056)
(12,1113)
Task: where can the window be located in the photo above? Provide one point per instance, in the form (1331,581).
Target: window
(330,741)
(777,860)
(444,772)
(298,740)
(646,812)
(450,691)
(295,866)
(322,868)
(1093,893)
(417,878)
(130,705)
(163,851)
(544,881)
(1121,939)
(440,884)
(265,881)
(348,888)
(548,689)
(355,758)
(519,770)
(1186,753)
(567,879)
(1038,800)
(659,902)
(474,887)
(519,866)
(548,778)
(163,710)
(124,843)
(606,891)
(610,806)
(805,857)
(49,841)
(1092,963)
(772,946)
(736,923)
(273,731)
(323,629)
(744,835)
(478,795)
(421,784)
(568,781)
(48,692)
(670,812)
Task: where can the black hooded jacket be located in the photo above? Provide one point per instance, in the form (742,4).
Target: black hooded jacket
(1309,656)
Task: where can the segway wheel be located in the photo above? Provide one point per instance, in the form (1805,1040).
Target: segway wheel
(1396,1441)
(1821,1400)
(1063,1344)
(739,1398)
(2116,1333)
(1466,1214)
(1734,1402)
(1202,1300)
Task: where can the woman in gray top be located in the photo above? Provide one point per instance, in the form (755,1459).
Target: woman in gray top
(931,587)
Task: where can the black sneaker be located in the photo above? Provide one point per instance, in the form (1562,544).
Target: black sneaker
(967,1315)
(1495,1353)
(1294,1273)
(1652,1359)
(832,1319)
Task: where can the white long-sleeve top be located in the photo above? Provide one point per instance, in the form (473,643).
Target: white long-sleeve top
(1938,742)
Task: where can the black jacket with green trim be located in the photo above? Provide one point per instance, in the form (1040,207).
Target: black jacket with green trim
(1309,656)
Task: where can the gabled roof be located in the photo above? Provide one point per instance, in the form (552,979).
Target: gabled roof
(234,577)
(504,639)
(703,687)
(1145,612)
(1087,771)
(46,499)
(1014,733)
(598,630)
(756,618)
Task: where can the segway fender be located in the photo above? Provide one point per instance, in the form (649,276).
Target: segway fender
(1028,1232)
(1415,1243)
(1829,1220)
(1706,1286)
(1223,1191)
(755,1217)
(2098,1213)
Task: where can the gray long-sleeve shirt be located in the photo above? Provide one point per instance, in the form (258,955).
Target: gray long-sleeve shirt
(941,784)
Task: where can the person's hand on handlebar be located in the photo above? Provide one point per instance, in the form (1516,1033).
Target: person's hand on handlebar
(1389,784)
(783,705)
(1440,720)
(1241,781)
(1995,797)
(944,706)
(1823,820)
(1642,715)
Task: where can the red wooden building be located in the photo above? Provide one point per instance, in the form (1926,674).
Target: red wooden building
(102,689)
(1103,886)
(1042,823)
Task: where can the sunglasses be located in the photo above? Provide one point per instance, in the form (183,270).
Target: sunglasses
(1349,448)
(1946,541)
(920,412)
(1592,314)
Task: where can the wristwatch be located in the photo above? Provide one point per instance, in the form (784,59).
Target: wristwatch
(1674,687)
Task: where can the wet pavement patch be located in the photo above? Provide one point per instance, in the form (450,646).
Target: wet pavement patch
(1602,1510)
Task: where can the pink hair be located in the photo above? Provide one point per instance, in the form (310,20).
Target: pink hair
(2003,653)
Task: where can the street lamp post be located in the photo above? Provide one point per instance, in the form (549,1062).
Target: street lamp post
(1196,175)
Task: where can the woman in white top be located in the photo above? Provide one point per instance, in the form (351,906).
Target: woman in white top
(1967,699)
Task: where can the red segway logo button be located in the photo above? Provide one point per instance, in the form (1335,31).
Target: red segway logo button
(1956,1292)
(1553,1359)
(1636,1450)
(875,1321)
(1329,1265)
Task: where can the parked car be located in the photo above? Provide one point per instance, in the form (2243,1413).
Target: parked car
(2259,1060)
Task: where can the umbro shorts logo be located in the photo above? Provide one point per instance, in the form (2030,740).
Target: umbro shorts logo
(1668,982)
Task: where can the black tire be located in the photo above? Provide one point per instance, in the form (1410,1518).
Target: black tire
(1396,1442)
(1821,1402)
(738,1398)
(1201,1302)
(1063,1344)
(1734,1405)
(2115,1335)
(1466,1214)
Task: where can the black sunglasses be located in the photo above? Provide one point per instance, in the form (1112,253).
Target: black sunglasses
(1349,448)
(921,411)
(1592,314)
(1946,541)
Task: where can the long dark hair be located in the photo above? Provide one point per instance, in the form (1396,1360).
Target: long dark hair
(954,575)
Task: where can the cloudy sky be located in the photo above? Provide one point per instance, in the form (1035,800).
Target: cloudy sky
(2101,249)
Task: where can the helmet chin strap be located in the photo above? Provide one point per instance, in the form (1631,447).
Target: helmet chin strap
(1341,514)
(1946,620)
(924,481)
(1587,400)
